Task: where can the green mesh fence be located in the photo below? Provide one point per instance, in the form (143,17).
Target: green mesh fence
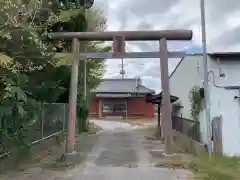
(54,118)
(37,124)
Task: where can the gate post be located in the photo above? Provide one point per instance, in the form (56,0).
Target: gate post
(72,104)
(166,116)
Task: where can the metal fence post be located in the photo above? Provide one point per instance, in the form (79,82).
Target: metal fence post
(42,115)
(64,117)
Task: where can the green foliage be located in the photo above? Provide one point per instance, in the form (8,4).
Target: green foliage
(27,57)
(75,20)
(29,67)
(16,116)
(74,23)
(82,115)
(215,168)
(196,102)
(70,4)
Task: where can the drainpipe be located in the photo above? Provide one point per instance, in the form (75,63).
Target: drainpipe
(219,86)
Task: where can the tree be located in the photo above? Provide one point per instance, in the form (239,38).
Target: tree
(30,70)
(24,57)
(24,42)
(23,47)
(80,20)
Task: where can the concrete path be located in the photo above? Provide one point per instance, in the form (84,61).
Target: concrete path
(108,126)
(122,155)
(122,152)
(117,155)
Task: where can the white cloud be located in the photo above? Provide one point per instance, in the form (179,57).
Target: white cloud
(222,25)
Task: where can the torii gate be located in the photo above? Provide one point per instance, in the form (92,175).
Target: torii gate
(119,38)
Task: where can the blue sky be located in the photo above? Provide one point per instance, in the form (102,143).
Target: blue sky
(194,50)
(222,27)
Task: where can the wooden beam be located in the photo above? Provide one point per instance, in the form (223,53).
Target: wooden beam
(129,55)
(129,35)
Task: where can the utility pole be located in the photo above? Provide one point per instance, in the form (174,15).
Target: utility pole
(122,71)
(205,82)
(85,64)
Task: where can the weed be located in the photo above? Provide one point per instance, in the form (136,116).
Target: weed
(57,165)
(150,137)
(220,168)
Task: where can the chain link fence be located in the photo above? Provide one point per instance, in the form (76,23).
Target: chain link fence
(50,119)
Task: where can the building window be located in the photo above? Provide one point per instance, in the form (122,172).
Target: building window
(119,108)
(107,108)
(114,107)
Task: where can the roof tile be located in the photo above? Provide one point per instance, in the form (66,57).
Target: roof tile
(133,85)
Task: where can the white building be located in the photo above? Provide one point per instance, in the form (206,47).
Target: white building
(224,85)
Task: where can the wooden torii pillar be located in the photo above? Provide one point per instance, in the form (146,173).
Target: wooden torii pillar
(163,54)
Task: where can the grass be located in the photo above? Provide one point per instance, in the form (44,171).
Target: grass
(92,128)
(150,137)
(172,165)
(57,165)
(180,161)
(45,156)
(216,168)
